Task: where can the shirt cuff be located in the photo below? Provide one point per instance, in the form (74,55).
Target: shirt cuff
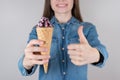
(100,60)
(24,71)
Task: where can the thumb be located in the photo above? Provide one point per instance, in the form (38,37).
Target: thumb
(81,35)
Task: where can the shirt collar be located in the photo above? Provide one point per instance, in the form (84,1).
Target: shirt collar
(71,21)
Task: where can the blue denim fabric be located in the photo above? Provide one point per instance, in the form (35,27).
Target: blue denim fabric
(60,65)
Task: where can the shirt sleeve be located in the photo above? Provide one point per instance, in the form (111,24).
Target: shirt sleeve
(23,71)
(92,37)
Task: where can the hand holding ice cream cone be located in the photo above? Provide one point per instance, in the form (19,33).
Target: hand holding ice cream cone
(32,54)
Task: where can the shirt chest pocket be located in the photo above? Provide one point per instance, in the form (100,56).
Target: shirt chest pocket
(73,40)
(54,48)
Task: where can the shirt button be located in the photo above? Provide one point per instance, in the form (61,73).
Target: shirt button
(64,73)
(63,28)
(63,61)
(62,48)
(63,37)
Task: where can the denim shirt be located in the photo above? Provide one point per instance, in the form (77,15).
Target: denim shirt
(60,66)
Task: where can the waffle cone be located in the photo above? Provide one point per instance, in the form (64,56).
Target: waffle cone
(45,34)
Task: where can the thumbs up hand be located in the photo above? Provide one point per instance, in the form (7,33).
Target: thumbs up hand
(82,53)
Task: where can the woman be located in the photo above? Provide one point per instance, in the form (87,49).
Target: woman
(74,45)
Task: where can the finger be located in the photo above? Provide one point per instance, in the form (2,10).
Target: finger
(29,53)
(75,62)
(76,58)
(81,35)
(35,49)
(39,62)
(34,42)
(39,57)
(73,46)
(39,49)
(74,53)
(79,63)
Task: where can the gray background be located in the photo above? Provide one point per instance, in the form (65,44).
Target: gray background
(17,17)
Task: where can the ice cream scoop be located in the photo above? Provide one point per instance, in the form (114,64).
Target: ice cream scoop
(44,22)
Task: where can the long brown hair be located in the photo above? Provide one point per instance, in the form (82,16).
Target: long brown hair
(49,13)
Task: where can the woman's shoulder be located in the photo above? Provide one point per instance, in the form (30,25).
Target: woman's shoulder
(34,28)
(84,23)
(87,24)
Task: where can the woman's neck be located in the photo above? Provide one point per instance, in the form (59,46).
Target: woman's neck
(63,18)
